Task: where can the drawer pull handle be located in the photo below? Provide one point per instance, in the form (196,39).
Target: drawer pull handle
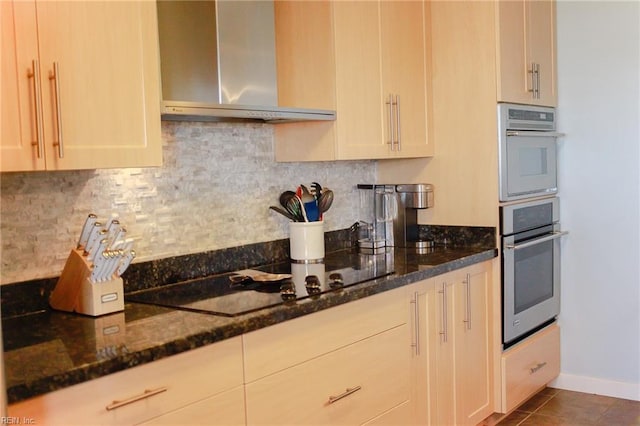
(346,393)
(537,367)
(146,394)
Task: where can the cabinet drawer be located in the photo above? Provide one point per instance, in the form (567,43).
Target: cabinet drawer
(529,366)
(275,348)
(400,415)
(180,380)
(371,376)
(225,409)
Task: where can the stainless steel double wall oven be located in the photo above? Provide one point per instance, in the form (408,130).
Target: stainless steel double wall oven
(529,219)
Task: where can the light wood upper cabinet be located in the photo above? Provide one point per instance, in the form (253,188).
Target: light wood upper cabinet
(77,93)
(366,60)
(527,52)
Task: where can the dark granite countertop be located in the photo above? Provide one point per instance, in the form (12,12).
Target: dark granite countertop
(49,350)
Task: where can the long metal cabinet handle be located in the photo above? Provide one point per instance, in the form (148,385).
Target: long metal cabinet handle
(534,134)
(553,236)
(55,76)
(534,80)
(346,393)
(146,394)
(389,104)
(467,319)
(37,94)
(537,81)
(416,318)
(443,331)
(398,130)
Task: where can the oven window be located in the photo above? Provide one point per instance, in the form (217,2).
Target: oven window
(533,161)
(533,275)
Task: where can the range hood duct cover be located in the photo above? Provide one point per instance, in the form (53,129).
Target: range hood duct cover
(218,61)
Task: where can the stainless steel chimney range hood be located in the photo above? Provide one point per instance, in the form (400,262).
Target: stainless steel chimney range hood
(218,63)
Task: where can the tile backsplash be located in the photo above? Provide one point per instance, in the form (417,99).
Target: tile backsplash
(212,192)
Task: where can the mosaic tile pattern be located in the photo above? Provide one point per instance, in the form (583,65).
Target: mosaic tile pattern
(212,192)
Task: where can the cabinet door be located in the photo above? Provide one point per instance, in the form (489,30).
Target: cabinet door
(541,49)
(359,100)
(443,342)
(100,84)
(372,49)
(473,402)
(526,34)
(460,342)
(404,75)
(18,129)
(423,326)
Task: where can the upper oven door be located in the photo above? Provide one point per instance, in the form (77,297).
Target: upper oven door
(528,162)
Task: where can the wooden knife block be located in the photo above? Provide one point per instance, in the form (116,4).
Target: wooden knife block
(75,292)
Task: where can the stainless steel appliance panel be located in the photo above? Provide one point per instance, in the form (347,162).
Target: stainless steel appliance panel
(530,266)
(527,154)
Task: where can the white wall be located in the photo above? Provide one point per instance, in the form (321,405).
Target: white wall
(599,97)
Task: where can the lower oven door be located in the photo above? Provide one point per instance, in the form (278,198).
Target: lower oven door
(531,283)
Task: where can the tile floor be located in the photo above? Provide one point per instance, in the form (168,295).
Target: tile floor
(554,407)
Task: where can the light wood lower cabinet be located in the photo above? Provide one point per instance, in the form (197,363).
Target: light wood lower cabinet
(225,409)
(344,365)
(529,366)
(146,392)
(348,386)
(451,348)
(418,354)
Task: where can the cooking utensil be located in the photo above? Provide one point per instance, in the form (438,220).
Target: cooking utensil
(306,195)
(283,212)
(285,197)
(325,201)
(316,189)
(294,206)
(310,205)
(303,211)
(259,278)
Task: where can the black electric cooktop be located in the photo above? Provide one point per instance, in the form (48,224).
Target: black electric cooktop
(230,294)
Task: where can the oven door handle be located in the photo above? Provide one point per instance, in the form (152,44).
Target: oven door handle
(553,236)
(540,134)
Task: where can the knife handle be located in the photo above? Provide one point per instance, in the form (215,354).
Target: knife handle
(94,245)
(86,230)
(98,268)
(93,236)
(126,261)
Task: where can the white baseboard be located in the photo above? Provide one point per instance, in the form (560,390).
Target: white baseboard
(597,386)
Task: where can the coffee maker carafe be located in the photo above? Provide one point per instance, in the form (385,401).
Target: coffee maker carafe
(389,215)
(376,210)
